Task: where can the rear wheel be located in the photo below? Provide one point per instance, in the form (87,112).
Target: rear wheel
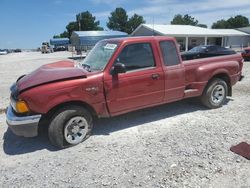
(70,126)
(214,95)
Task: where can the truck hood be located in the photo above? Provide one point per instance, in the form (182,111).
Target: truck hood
(58,71)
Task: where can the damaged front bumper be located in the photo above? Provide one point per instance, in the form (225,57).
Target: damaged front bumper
(26,126)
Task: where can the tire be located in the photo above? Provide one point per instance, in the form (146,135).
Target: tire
(215,93)
(70,126)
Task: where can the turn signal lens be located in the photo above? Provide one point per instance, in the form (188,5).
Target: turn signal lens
(21,107)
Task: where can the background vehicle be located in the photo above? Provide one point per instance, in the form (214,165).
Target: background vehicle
(246,54)
(203,51)
(3,52)
(116,77)
(59,48)
(46,48)
(17,50)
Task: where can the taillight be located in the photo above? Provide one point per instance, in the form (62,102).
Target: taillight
(241,63)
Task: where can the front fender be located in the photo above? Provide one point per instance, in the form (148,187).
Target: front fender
(43,98)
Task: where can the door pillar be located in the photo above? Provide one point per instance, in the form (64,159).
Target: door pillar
(186,46)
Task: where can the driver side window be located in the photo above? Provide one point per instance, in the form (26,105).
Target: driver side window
(137,56)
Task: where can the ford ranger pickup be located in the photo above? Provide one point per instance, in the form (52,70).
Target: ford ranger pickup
(118,76)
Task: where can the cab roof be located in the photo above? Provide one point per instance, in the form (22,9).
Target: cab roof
(140,39)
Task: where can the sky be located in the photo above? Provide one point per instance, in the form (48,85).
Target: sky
(26,23)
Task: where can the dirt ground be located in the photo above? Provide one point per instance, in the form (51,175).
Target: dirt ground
(180,144)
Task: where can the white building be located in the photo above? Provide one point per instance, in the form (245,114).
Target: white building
(244,29)
(234,38)
(189,36)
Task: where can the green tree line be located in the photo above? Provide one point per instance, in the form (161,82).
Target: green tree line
(120,21)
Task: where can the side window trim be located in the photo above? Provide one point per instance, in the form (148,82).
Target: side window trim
(141,69)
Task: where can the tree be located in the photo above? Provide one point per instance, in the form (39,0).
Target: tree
(134,22)
(118,20)
(231,23)
(65,34)
(238,21)
(72,26)
(186,20)
(220,24)
(56,36)
(87,22)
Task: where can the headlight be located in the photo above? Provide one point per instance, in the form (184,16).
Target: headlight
(20,106)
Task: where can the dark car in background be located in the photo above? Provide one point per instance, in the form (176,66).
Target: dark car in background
(246,54)
(204,51)
(17,50)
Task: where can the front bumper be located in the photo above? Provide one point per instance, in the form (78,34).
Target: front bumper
(26,126)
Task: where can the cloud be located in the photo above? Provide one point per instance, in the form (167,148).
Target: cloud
(102,15)
(163,11)
(111,3)
(206,11)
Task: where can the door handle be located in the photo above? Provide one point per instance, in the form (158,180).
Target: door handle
(155,76)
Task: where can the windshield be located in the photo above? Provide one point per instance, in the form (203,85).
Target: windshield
(99,56)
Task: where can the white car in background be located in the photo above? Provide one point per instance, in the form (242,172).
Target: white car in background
(3,52)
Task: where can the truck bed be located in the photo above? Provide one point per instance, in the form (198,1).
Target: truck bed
(199,71)
(216,59)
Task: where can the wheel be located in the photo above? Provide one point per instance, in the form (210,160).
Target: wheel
(70,126)
(215,93)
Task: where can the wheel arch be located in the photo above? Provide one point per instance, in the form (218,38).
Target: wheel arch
(225,77)
(46,118)
(70,103)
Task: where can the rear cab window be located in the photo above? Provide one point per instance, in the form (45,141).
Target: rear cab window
(169,53)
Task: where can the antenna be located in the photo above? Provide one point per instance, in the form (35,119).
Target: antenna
(153,25)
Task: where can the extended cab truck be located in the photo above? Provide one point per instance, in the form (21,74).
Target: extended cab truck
(117,76)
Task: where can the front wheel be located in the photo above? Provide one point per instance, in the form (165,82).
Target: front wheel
(214,95)
(70,126)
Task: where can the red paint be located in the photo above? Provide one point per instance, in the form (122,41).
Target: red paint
(49,73)
(128,91)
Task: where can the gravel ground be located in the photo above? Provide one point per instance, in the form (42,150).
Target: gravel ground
(175,145)
(16,64)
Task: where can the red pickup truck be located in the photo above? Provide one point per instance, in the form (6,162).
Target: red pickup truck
(117,76)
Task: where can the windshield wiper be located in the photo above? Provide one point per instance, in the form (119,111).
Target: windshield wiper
(86,67)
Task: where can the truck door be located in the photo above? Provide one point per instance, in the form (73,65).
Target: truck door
(143,83)
(174,71)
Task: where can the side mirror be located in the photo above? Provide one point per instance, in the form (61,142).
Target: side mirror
(118,68)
